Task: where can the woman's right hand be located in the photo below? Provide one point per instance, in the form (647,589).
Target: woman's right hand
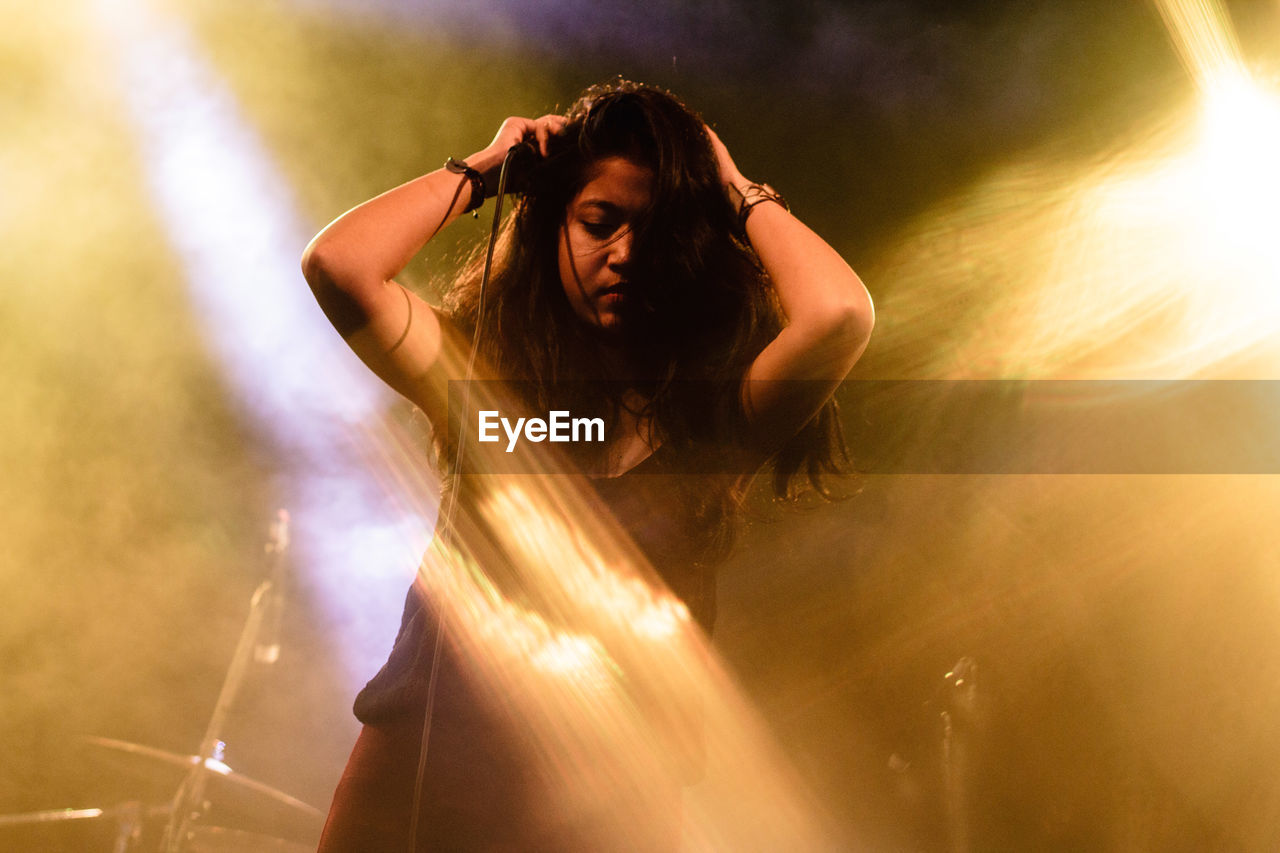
(513,131)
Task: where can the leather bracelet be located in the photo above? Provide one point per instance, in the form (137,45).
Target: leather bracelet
(753,195)
(460,167)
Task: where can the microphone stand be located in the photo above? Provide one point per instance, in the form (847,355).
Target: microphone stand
(189,804)
(959,721)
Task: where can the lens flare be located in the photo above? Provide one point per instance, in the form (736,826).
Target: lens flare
(1156,261)
(562,624)
(1203,37)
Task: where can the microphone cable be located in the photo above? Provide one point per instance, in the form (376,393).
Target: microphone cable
(444,518)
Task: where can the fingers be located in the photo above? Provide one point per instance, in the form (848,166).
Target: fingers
(538,130)
(729,173)
(546,127)
(722,153)
(514,131)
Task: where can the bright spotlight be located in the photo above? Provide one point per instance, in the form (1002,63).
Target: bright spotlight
(1237,164)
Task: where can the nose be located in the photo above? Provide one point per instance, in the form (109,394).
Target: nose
(620,250)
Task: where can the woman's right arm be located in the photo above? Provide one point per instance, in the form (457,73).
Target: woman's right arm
(351,266)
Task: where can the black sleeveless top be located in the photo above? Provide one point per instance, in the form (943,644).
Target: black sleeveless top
(654,502)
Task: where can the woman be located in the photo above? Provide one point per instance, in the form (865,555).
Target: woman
(641,279)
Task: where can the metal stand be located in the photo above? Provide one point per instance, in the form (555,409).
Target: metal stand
(959,719)
(189,804)
(259,641)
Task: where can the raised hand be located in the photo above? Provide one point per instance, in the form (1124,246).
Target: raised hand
(731,178)
(513,131)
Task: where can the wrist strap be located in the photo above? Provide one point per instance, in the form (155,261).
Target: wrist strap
(460,167)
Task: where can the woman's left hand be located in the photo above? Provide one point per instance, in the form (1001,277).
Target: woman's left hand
(730,177)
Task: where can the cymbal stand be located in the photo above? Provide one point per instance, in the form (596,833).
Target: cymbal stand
(959,721)
(189,803)
(128,827)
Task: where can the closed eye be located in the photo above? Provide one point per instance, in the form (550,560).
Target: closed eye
(599,230)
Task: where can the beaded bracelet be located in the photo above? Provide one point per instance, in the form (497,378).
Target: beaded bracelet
(460,167)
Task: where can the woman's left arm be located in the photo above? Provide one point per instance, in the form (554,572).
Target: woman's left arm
(828,311)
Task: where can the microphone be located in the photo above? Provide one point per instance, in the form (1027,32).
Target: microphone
(522,158)
(525,145)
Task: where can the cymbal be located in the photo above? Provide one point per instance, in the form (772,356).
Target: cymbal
(60,815)
(217,769)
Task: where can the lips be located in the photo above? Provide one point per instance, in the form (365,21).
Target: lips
(614,296)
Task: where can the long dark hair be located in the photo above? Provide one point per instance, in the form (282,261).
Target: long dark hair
(705,309)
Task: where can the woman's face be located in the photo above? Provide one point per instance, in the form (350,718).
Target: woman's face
(596,239)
